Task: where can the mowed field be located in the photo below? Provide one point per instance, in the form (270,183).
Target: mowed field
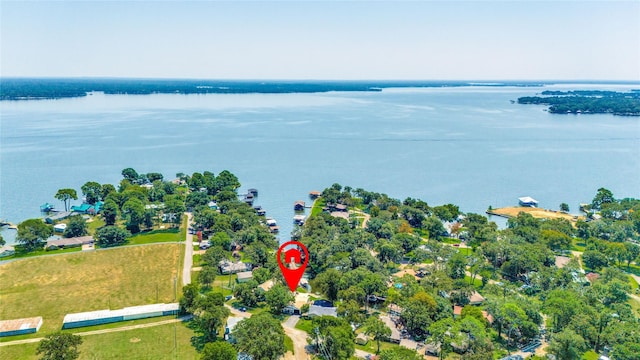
(535,212)
(170,341)
(52,286)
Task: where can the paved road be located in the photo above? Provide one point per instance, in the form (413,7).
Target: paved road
(105,331)
(188,253)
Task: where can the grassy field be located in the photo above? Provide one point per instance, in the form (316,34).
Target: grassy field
(317,207)
(148,343)
(156,236)
(535,212)
(54,286)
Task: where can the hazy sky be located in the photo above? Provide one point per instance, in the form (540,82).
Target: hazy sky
(323,39)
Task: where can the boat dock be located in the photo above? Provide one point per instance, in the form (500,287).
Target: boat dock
(10,225)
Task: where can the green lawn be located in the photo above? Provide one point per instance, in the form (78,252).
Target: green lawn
(94,224)
(477,283)
(633,283)
(372,346)
(465,251)
(53,286)
(288,344)
(21,253)
(305,325)
(170,341)
(577,245)
(590,355)
(156,236)
(317,206)
(447,240)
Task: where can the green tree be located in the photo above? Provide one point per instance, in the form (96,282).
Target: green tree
(441,333)
(207,275)
(173,204)
(130,175)
(603,196)
(59,346)
(567,345)
(152,177)
(339,341)
(189,297)
(456,266)
(77,226)
(632,253)
(219,350)
(92,191)
(555,240)
(328,283)
(378,329)
(594,259)
(109,212)
(32,232)
(278,297)
(564,207)
(246,293)
(66,195)
(2,242)
(419,313)
(106,190)
(209,317)
(260,336)
(133,210)
(111,236)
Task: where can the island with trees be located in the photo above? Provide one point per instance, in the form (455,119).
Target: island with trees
(401,279)
(588,102)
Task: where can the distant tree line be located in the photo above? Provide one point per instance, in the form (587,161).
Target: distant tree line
(588,102)
(34,88)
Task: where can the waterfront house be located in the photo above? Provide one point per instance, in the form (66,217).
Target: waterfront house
(227,267)
(69,242)
(314,194)
(528,201)
(57,217)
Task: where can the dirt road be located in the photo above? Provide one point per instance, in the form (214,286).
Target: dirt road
(188,253)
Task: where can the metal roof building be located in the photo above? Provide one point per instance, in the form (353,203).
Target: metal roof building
(98,317)
(20,326)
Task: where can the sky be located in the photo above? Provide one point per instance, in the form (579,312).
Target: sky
(332,40)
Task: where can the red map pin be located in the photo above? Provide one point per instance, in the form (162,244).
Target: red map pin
(292,258)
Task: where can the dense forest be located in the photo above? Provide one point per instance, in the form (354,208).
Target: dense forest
(588,102)
(54,88)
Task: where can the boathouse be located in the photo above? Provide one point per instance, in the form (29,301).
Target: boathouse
(528,201)
(298,205)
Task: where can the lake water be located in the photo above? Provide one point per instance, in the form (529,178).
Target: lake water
(467,145)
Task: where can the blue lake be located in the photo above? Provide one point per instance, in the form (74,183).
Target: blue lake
(466,145)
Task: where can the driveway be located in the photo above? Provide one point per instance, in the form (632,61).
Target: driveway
(299,338)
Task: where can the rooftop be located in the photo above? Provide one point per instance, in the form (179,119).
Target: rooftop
(21,324)
(315,310)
